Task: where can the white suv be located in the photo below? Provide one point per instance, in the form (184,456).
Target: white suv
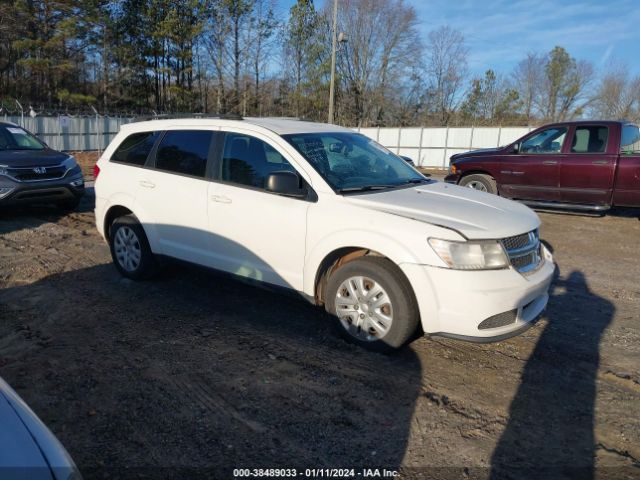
(329,213)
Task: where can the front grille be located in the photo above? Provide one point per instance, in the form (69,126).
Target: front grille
(524,251)
(34,174)
(518,241)
(499,320)
(41,194)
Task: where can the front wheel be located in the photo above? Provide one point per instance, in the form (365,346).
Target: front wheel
(373,304)
(481,182)
(130,249)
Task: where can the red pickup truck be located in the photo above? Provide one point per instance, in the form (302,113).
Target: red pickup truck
(585,165)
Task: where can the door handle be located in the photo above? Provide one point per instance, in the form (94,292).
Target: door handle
(550,162)
(220,199)
(600,162)
(147,184)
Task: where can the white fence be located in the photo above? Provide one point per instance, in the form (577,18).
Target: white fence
(71,133)
(432,147)
(427,146)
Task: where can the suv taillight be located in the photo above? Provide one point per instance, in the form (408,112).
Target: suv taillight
(96,171)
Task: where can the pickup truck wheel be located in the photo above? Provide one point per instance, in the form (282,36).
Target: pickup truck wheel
(373,304)
(130,249)
(481,182)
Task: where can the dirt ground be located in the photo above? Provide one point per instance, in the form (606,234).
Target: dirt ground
(192,375)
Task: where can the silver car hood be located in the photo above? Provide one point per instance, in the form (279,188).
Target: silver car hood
(474,214)
(19,453)
(28,449)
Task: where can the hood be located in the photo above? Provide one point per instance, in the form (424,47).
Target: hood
(476,153)
(31,158)
(474,214)
(18,449)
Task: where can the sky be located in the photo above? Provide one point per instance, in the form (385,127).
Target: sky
(499,33)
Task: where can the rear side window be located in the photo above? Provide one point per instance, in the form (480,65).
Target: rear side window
(184,152)
(135,149)
(590,139)
(630,142)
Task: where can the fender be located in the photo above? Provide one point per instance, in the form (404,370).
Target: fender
(365,239)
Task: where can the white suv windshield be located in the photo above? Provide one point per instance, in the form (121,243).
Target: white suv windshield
(353,162)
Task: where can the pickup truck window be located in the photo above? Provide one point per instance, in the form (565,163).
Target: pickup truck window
(630,142)
(546,141)
(590,139)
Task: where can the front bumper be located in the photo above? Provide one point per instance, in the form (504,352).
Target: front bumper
(452,178)
(453,303)
(67,188)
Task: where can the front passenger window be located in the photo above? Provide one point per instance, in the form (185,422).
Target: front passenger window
(184,152)
(546,141)
(247,160)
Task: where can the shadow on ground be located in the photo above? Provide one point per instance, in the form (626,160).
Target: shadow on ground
(195,374)
(551,419)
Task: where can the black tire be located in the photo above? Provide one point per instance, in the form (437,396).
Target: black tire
(147,266)
(69,205)
(480,179)
(405,312)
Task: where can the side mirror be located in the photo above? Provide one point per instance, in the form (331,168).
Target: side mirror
(408,160)
(515,148)
(285,183)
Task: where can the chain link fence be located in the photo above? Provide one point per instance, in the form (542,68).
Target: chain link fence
(65,132)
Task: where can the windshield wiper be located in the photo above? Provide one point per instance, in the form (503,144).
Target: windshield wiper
(365,188)
(415,180)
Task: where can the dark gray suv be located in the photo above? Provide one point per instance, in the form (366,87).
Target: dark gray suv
(31,172)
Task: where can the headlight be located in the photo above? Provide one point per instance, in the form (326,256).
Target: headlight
(478,255)
(453,168)
(70,162)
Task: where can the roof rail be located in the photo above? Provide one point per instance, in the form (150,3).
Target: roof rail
(171,116)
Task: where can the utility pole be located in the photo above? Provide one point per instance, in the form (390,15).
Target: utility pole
(334,41)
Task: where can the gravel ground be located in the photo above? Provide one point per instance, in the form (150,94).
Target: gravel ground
(193,374)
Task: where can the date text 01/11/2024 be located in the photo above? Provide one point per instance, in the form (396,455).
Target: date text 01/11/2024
(313,473)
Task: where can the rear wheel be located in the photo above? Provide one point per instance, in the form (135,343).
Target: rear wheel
(130,249)
(373,304)
(483,183)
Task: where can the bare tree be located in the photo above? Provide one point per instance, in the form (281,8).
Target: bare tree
(383,45)
(447,70)
(528,78)
(618,95)
(260,35)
